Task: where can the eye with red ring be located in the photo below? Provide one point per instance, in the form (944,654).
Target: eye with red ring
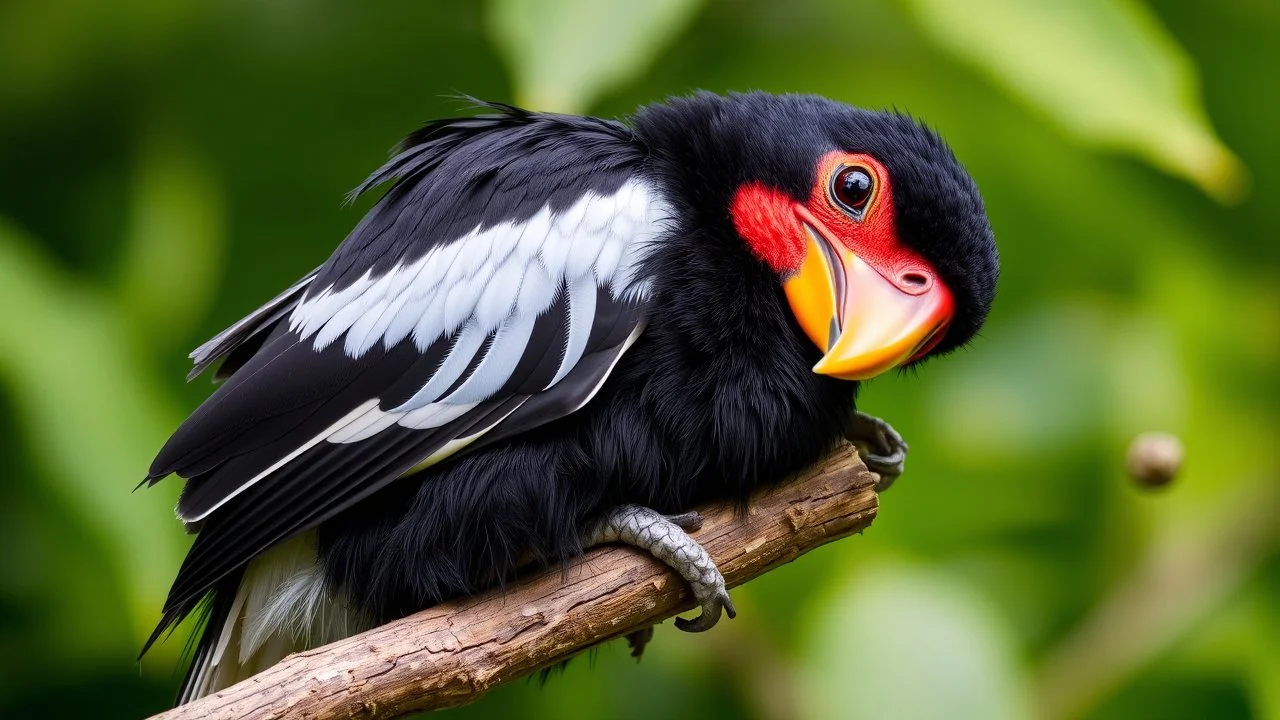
(854,201)
(852,187)
(864,298)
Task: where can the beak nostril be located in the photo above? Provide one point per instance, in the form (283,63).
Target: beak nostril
(915,279)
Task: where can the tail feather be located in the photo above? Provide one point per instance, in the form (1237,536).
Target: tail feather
(278,605)
(220,610)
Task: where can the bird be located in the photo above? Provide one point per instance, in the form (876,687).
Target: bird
(551,331)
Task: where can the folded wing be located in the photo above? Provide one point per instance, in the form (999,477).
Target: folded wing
(466,305)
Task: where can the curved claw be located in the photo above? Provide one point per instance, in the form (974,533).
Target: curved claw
(688,522)
(666,538)
(881,447)
(888,467)
(710,615)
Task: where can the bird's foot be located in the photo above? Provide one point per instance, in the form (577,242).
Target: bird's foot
(666,538)
(881,447)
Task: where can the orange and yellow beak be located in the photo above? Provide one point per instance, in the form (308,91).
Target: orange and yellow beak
(866,323)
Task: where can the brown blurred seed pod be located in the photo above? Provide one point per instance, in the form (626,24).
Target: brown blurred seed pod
(1154,458)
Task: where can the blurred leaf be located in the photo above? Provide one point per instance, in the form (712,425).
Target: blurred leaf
(1106,70)
(46,45)
(1263,655)
(94,415)
(174,247)
(1034,386)
(895,641)
(564,54)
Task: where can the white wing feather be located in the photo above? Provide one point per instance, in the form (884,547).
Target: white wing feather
(490,283)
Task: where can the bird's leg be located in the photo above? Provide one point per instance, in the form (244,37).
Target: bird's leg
(665,537)
(882,448)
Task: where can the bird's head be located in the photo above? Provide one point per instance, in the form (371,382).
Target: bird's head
(876,233)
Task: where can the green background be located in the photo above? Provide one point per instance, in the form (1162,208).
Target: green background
(166,166)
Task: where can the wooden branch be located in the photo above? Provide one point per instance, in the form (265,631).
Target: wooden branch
(452,654)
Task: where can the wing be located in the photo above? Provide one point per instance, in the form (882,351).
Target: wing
(491,290)
(235,345)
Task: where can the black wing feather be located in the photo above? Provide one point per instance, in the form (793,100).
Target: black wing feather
(295,395)
(454,174)
(321,483)
(240,341)
(449,177)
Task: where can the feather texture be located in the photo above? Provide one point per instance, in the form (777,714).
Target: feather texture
(426,330)
(544,317)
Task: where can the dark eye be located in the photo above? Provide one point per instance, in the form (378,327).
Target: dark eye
(852,188)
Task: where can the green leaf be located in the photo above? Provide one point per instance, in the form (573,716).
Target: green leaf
(93,414)
(1263,656)
(174,247)
(1105,70)
(896,641)
(46,46)
(564,54)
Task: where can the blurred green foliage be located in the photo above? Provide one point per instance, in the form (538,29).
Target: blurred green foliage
(165,166)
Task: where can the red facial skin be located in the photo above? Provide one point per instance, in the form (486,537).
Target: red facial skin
(770,221)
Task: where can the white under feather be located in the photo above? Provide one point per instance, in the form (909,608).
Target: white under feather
(582,309)
(464,348)
(491,283)
(434,415)
(282,606)
(597,233)
(497,365)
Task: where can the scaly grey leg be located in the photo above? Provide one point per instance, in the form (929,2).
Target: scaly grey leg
(882,448)
(665,538)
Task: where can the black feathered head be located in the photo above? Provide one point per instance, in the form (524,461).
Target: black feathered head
(877,233)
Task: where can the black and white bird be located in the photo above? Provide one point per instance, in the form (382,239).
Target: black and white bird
(549,331)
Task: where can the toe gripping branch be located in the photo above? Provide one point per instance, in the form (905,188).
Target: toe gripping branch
(455,652)
(666,537)
(881,447)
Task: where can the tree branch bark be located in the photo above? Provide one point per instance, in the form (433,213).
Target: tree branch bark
(452,654)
